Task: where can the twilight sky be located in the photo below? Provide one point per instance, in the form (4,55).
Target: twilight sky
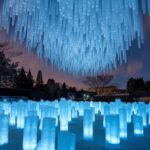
(138,62)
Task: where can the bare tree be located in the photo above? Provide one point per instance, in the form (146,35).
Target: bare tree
(99,80)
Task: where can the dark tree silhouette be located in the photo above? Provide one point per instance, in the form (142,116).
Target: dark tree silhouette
(30,80)
(134,85)
(21,80)
(64,90)
(131,85)
(140,85)
(147,86)
(51,87)
(58,91)
(8,70)
(72,90)
(39,79)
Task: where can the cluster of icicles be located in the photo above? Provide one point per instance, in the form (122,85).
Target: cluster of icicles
(78,36)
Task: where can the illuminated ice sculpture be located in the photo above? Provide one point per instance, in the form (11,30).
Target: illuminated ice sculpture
(47,141)
(66,141)
(142,112)
(123,122)
(54,114)
(129,112)
(20,115)
(149,115)
(74,113)
(76,35)
(105,113)
(30,133)
(63,115)
(45,112)
(13,113)
(88,124)
(4,124)
(112,129)
(138,125)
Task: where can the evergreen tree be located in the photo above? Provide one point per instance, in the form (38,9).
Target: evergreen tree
(51,86)
(30,80)
(21,81)
(64,90)
(57,93)
(39,79)
(8,70)
(147,86)
(134,85)
(72,90)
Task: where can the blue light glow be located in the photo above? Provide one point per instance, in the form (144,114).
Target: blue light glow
(88,124)
(4,124)
(63,115)
(67,135)
(112,134)
(123,122)
(76,35)
(47,141)
(138,125)
(66,141)
(30,133)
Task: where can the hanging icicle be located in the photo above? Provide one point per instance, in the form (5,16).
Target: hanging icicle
(78,36)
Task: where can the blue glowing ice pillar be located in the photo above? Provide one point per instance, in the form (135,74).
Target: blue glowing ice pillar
(88,124)
(66,141)
(30,133)
(46,111)
(123,122)
(114,108)
(6,107)
(105,113)
(134,108)
(138,125)
(63,115)
(96,106)
(13,113)
(112,129)
(129,112)
(149,115)
(20,115)
(102,108)
(69,110)
(4,124)
(32,113)
(2,111)
(81,108)
(93,112)
(54,114)
(142,112)
(47,141)
(74,112)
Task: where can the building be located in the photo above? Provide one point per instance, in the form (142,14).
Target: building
(106,91)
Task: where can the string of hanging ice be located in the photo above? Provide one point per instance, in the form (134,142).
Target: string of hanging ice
(78,36)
